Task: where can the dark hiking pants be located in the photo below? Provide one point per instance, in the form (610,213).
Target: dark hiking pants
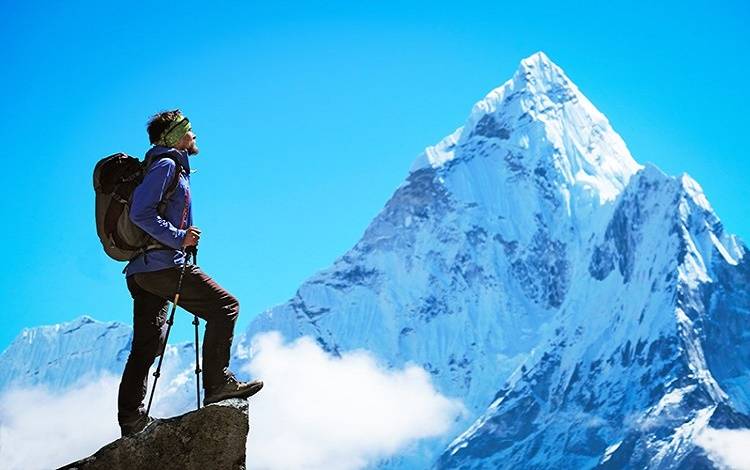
(201,296)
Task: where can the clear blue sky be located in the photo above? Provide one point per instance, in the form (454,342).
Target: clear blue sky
(309,115)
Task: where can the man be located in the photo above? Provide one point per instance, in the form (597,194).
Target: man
(152,277)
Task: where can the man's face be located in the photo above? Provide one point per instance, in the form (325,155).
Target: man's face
(188,142)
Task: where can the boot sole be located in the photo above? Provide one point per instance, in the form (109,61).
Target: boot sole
(224,396)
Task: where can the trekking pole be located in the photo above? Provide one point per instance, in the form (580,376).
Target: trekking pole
(196,322)
(170,321)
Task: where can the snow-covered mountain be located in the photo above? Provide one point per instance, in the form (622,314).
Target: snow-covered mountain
(531,265)
(467,263)
(59,355)
(65,355)
(530,237)
(647,351)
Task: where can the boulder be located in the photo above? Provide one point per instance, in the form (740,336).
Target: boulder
(213,437)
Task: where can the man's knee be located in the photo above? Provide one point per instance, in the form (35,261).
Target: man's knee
(146,350)
(232,308)
(144,354)
(226,311)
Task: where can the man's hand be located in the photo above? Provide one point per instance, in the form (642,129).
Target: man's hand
(192,237)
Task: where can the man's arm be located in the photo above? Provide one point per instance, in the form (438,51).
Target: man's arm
(146,197)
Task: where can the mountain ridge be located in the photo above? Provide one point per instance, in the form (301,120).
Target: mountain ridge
(663,394)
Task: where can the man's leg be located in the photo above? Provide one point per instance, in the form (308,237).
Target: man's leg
(149,330)
(201,296)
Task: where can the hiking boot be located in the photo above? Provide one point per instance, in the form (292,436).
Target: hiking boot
(232,388)
(137,425)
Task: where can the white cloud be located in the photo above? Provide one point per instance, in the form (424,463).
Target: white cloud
(728,448)
(320,411)
(315,411)
(40,428)
(46,428)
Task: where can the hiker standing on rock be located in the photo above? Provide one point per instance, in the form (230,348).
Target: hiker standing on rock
(161,206)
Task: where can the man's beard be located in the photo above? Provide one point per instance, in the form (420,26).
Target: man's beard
(193,149)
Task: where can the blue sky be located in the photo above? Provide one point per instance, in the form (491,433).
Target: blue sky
(310,114)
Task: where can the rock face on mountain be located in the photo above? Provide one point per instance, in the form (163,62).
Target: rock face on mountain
(213,437)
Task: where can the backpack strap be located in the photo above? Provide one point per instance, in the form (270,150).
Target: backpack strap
(154,244)
(161,207)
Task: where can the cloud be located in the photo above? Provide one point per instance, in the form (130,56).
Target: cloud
(40,428)
(727,448)
(46,428)
(320,411)
(315,411)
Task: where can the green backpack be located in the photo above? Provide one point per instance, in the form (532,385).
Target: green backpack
(115,178)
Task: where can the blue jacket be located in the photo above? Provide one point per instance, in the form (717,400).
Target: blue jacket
(170,229)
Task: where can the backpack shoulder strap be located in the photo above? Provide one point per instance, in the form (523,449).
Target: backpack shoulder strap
(172,184)
(175,180)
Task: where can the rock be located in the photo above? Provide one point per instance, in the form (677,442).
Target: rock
(212,437)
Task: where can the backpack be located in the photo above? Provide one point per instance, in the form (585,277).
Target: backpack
(115,179)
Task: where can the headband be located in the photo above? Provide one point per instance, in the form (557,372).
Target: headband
(175,132)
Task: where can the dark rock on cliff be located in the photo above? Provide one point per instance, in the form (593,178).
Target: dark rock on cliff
(212,437)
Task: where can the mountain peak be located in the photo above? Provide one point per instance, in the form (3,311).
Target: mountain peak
(538,70)
(695,191)
(537,58)
(539,130)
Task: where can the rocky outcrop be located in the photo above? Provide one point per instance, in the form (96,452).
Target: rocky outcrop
(212,437)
